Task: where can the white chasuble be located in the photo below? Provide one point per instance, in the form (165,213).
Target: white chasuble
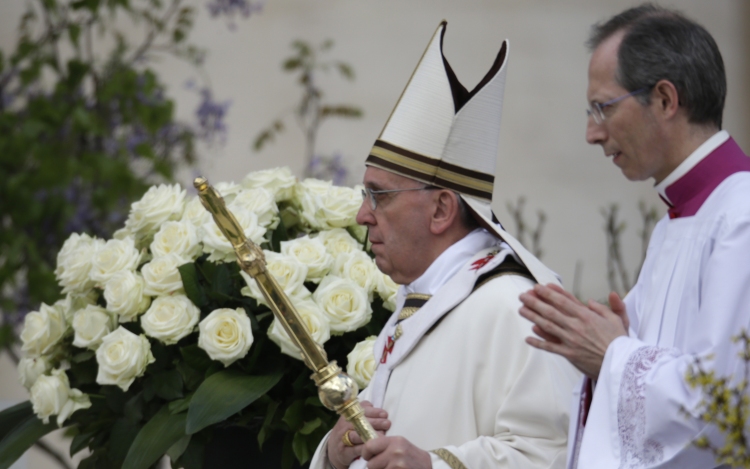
(460,381)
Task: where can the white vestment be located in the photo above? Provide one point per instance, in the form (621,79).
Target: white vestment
(462,381)
(692,296)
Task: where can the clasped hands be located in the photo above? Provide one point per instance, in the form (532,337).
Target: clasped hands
(579,332)
(384,452)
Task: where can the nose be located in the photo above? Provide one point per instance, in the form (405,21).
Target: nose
(596,134)
(365,216)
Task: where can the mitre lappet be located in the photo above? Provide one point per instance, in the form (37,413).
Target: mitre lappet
(443,135)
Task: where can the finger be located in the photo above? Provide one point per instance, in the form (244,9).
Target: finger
(564,292)
(619,308)
(547,346)
(375,412)
(545,325)
(548,337)
(562,301)
(374,447)
(379,425)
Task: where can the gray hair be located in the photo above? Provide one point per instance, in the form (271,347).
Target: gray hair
(662,44)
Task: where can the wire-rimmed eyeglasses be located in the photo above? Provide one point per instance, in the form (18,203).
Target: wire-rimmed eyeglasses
(372,193)
(596,110)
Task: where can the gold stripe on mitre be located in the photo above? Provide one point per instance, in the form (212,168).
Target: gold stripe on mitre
(432,171)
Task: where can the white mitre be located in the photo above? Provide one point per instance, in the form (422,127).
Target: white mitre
(442,134)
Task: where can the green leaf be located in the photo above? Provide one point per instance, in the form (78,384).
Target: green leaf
(293,415)
(155,438)
(168,384)
(177,449)
(223,394)
(193,288)
(81,441)
(308,427)
(21,438)
(180,405)
(270,412)
(12,416)
(300,447)
(123,434)
(83,356)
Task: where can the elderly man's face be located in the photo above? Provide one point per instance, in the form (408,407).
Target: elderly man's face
(399,226)
(629,133)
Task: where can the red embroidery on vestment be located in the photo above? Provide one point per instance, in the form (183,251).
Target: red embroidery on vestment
(387,349)
(478,264)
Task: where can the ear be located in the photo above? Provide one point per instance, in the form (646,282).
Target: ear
(666,99)
(445,211)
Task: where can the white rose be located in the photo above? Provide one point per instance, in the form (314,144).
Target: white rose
(159,204)
(176,237)
(30,369)
(195,213)
(125,296)
(226,335)
(122,357)
(387,289)
(170,318)
(74,263)
(360,268)
(51,395)
(344,303)
(42,330)
(308,196)
(228,190)
(161,275)
(112,257)
(339,241)
(280,181)
(91,324)
(288,272)
(360,363)
(339,207)
(218,247)
(314,320)
(259,201)
(312,253)
(73,302)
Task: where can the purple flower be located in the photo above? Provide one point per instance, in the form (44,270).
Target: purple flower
(232,8)
(210,116)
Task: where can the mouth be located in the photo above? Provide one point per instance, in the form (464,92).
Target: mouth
(615,155)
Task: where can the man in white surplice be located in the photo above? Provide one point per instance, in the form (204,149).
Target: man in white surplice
(656,91)
(456,385)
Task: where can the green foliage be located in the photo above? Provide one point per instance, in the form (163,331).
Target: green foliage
(82,133)
(21,437)
(725,405)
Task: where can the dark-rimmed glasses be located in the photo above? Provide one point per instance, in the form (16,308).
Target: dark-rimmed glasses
(372,193)
(596,110)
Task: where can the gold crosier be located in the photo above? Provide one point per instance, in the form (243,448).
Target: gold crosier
(337,391)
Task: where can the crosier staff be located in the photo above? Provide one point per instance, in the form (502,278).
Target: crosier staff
(337,391)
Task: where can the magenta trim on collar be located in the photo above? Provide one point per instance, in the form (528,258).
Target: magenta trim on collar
(690,191)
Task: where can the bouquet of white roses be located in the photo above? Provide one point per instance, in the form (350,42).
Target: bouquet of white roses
(161,339)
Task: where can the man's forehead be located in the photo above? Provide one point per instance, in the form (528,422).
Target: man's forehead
(603,67)
(380,178)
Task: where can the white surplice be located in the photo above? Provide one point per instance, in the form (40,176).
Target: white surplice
(462,380)
(692,295)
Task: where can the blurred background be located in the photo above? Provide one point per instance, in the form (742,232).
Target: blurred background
(177,88)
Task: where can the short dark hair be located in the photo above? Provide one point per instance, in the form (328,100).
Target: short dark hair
(662,44)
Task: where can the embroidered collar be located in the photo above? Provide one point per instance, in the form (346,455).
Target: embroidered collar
(689,185)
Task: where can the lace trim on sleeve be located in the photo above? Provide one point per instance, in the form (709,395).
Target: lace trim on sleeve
(636,450)
(449,458)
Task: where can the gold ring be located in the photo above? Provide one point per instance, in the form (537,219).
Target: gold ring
(345,439)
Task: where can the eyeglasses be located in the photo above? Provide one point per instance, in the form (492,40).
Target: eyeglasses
(374,201)
(596,110)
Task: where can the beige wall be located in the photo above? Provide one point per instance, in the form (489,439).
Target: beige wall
(543,155)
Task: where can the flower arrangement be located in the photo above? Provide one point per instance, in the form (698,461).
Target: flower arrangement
(161,339)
